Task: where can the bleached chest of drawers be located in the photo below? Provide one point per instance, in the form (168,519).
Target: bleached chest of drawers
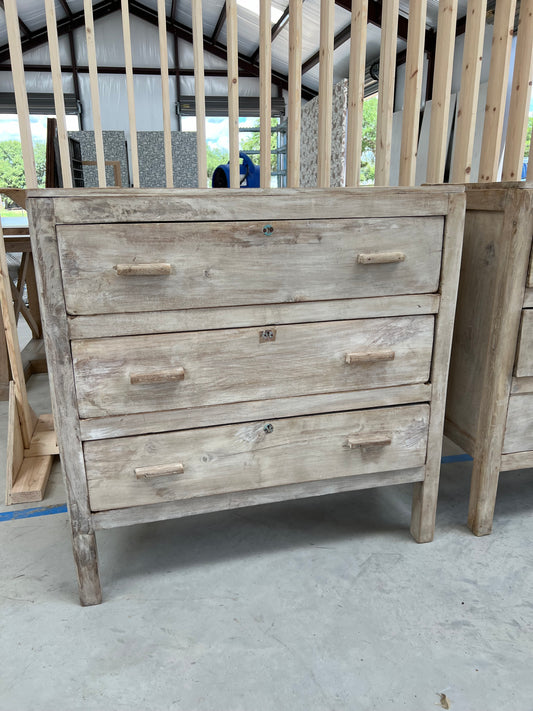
(490,399)
(218,349)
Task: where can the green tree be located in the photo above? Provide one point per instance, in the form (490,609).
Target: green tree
(253,143)
(528,137)
(12,165)
(368,143)
(215,157)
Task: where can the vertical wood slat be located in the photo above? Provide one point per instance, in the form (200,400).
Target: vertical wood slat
(414,69)
(165,94)
(59,101)
(356,91)
(469,93)
(128,63)
(233,92)
(265,90)
(520,95)
(387,72)
(199,91)
(497,90)
(442,83)
(325,91)
(95,94)
(21,96)
(295,93)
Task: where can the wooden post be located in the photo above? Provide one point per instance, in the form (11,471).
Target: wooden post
(95,94)
(199,91)
(468,96)
(265,81)
(414,69)
(59,102)
(387,72)
(356,91)
(163,57)
(233,92)
(325,91)
(295,93)
(442,83)
(520,96)
(497,90)
(128,63)
(21,96)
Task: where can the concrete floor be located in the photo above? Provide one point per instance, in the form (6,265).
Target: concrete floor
(316,605)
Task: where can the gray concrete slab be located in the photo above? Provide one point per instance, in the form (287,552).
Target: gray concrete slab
(311,605)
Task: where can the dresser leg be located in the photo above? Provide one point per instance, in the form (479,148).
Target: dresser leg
(424,510)
(86,559)
(482,497)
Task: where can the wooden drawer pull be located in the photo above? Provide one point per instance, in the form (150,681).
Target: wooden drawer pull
(369,356)
(380,258)
(368,441)
(155,269)
(161,470)
(163,376)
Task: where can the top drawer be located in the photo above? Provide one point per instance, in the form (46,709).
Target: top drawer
(119,268)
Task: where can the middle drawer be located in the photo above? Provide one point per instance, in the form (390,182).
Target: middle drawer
(133,374)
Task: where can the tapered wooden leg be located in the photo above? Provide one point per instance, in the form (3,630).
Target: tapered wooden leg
(424,510)
(482,497)
(86,558)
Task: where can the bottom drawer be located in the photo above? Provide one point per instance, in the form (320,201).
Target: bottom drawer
(519,427)
(133,471)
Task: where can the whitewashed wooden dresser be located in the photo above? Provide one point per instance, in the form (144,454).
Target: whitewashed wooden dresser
(217,349)
(489,412)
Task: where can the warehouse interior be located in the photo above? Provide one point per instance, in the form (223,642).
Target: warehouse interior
(303,601)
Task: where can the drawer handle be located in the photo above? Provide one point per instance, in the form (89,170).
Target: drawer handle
(369,356)
(368,441)
(381,258)
(163,376)
(161,470)
(155,269)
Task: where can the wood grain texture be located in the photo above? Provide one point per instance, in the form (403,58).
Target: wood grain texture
(19,86)
(95,92)
(519,425)
(31,480)
(414,69)
(524,360)
(425,494)
(128,64)
(222,502)
(515,239)
(387,74)
(230,264)
(42,227)
(59,102)
(356,91)
(467,101)
(500,57)
(117,205)
(243,457)
(199,91)
(522,385)
(442,83)
(520,95)
(165,420)
(325,91)
(15,446)
(517,460)
(294,119)
(233,366)
(165,93)
(102,325)
(233,92)
(265,89)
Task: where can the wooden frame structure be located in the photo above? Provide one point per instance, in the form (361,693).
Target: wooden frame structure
(260,64)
